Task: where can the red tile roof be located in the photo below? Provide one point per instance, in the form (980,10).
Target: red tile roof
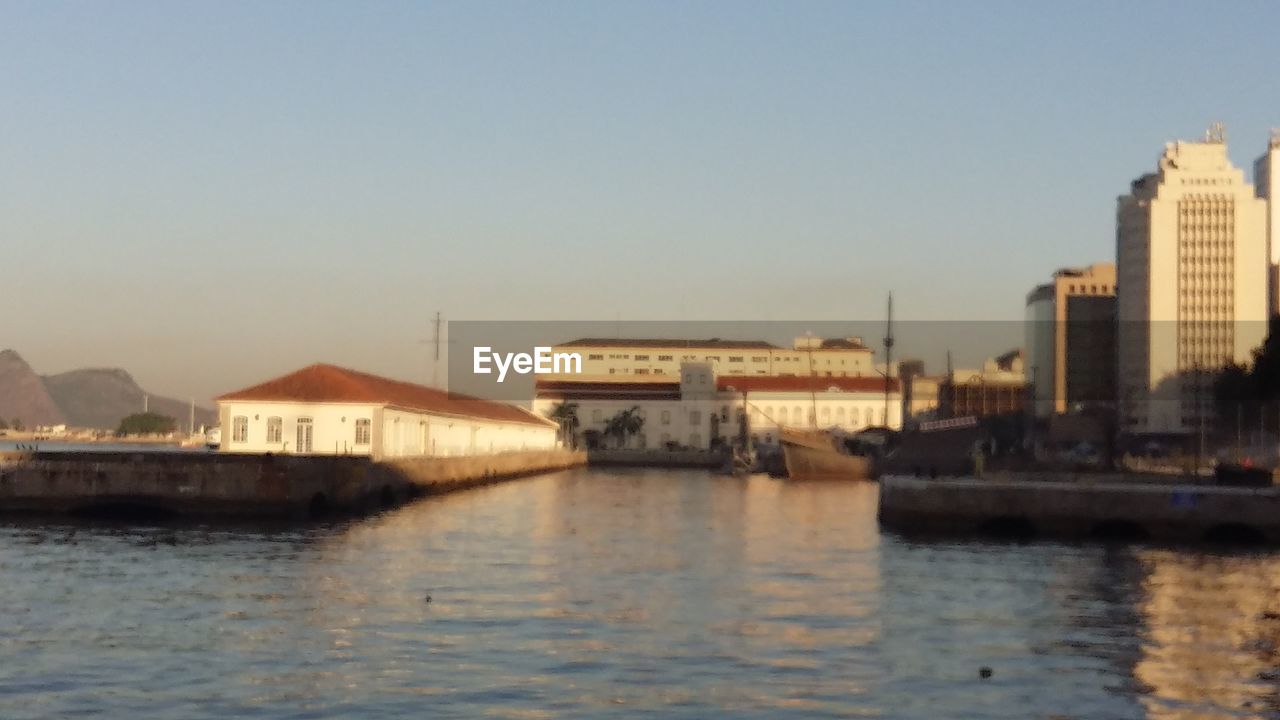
(664,343)
(668,390)
(800,383)
(579,390)
(329,383)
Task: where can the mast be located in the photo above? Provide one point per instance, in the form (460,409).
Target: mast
(888,359)
(813,393)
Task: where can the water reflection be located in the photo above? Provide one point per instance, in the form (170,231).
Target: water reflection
(616,594)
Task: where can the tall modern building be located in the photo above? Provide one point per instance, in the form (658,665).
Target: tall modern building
(1071,340)
(1266,179)
(1192,267)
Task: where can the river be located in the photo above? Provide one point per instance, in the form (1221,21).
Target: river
(624,593)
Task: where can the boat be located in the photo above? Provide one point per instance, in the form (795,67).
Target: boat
(820,455)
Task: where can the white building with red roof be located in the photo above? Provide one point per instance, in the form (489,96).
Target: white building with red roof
(329,410)
(697,409)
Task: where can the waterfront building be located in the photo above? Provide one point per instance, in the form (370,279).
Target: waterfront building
(1071,340)
(329,410)
(1192,267)
(697,409)
(1266,181)
(623,359)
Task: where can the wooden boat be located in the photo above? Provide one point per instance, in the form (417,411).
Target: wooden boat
(818,455)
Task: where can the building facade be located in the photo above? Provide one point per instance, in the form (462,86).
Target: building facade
(1071,340)
(1266,181)
(828,357)
(328,410)
(1192,268)
(696,409)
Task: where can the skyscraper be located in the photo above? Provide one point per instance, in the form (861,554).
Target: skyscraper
(1266,179)
(1192,267)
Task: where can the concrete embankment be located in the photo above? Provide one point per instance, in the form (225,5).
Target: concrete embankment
(1111,510)
(245,485)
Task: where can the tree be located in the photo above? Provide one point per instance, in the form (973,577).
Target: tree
(623,425)
(566,416)
(16,424)
(147,423)
(3,425)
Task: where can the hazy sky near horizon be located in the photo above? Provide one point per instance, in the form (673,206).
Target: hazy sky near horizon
(209,194)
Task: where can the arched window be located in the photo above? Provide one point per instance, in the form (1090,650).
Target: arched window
(240,429)
(364,431)
(275,429)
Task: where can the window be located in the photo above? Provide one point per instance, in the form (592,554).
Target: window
(304,435)
(664,358)
(666,417)
(364,431)
(240,429)
(595,357)
(695,417)
(596,415)
(695,440)
(642,357)
(275,429)
(642,371)
(735,358)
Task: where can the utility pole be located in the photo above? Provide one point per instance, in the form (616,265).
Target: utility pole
(435,363)
(888,359)
(191,422)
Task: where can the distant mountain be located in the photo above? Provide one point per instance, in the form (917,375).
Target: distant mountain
(23,395)
(102,397)
(92,398)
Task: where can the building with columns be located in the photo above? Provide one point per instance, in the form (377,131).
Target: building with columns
(697,409)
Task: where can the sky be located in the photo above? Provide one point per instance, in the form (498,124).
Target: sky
(211,194)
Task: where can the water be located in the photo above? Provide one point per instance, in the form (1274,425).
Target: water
(599,594)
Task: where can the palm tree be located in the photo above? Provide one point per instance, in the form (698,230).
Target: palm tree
(566,416)
(624,424)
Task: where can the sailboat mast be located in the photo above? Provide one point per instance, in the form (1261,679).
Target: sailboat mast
(888,359)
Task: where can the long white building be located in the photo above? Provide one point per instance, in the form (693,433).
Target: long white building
(329,410)
(1192,270)
(698,410)
(622,359)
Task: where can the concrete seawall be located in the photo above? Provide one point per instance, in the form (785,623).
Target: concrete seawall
(657,458)
(245,485)
(1112,510)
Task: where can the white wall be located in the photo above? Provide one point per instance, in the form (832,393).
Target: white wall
(393,432)
(688,422)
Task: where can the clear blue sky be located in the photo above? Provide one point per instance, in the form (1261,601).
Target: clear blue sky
(211,193)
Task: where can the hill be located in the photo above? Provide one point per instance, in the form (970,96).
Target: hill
(90,398)
(102,397)
(23,395)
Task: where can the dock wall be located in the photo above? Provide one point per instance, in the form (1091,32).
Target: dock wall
(1126,510)
(244,485)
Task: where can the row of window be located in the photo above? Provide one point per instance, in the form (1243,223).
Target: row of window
(303,426)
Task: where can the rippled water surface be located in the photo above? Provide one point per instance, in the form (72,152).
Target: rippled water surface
(624,594)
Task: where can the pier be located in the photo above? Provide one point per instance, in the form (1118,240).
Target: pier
(247,485)
(1160,511)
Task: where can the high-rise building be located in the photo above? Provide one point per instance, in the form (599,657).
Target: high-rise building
(1071,340)
(1266,180)
(1192,266)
